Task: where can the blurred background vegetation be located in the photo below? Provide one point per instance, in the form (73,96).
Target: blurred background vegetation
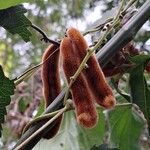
(54,17)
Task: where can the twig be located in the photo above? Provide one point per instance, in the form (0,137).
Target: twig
(60,112)
(45,38)
(131,2)
(124,35)
(119,40)
(40,118)
(50,115)
(109,20)
(41,129)
(31,71)
(68,106)
(98,28)
(124,104)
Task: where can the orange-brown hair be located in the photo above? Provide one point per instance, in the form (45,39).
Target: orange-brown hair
(82,97)
(102,92)
(50,74)
(51,82)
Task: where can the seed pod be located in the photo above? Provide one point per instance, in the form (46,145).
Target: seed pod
(102,92)
(50,74)
(51,82)
(82,97)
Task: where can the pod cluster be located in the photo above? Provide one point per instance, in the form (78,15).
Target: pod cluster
(89,88)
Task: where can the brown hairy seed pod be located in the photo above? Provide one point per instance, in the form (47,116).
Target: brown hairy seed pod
(50,74)
(51,82)
(102,92)
(82,97)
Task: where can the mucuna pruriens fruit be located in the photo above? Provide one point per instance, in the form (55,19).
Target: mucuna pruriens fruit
(82,97)
(51,82)
(101,91)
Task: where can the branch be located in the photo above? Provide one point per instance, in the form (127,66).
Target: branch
(119,40)
(45,38)
(124,35)
(67,106)
(29,72)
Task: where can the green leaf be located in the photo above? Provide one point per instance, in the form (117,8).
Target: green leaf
(140,92)
(6,90)
(8,3)
(140,59)
(74,137)
(22,105)
(40,109)
(14,21)
(126,126)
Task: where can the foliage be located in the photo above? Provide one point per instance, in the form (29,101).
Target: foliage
(13,20)
(126,126)
(119,128)
(140,92)
(9,3)
(6,90)
(70,131)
